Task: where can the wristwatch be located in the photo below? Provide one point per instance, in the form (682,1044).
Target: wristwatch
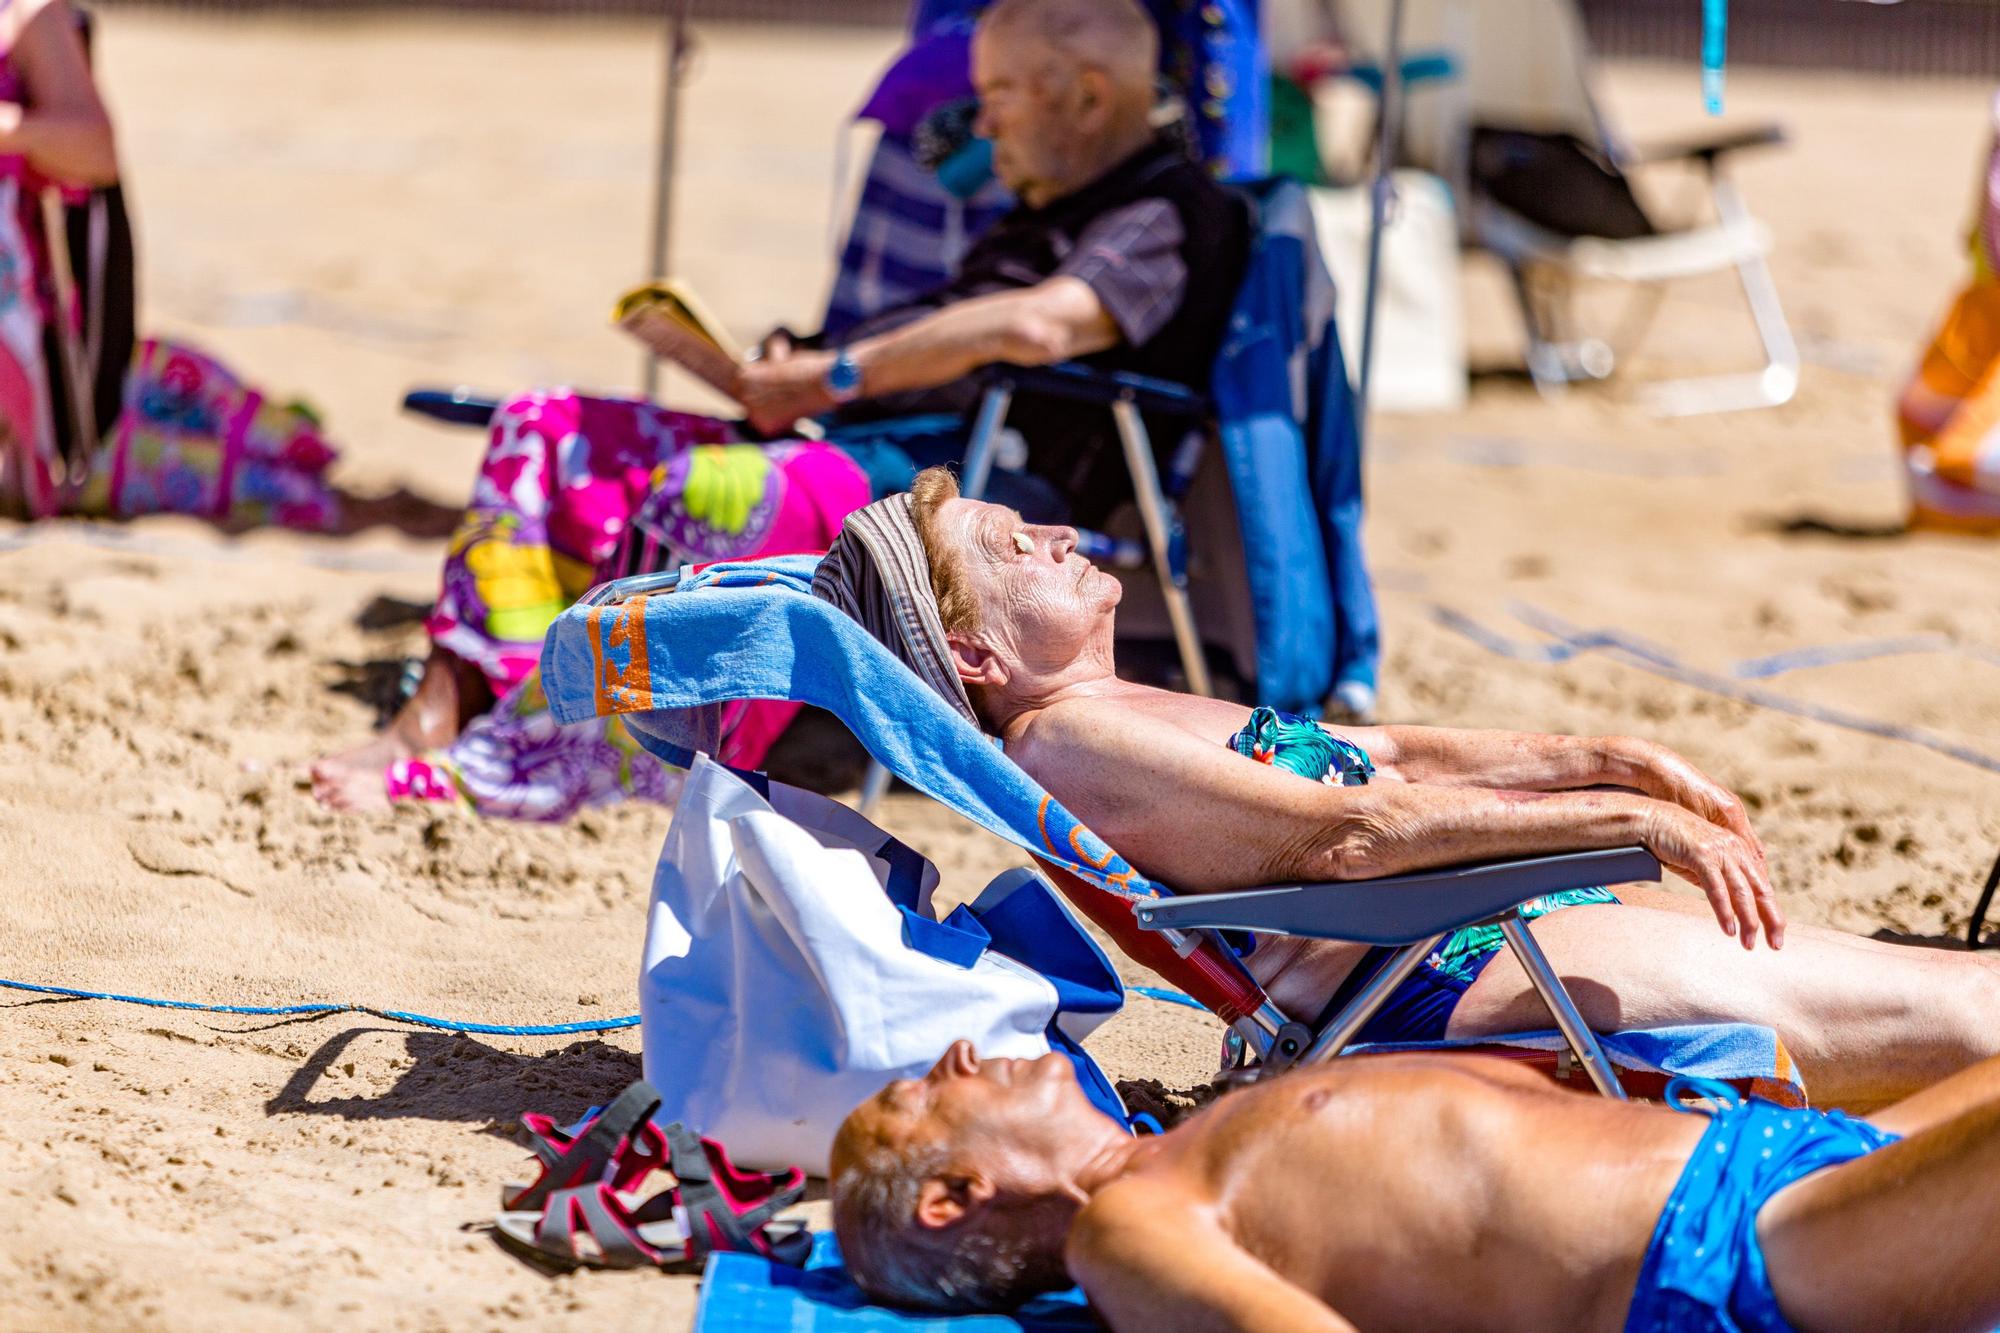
(843,378)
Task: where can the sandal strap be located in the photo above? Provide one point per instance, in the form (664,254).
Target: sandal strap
(713,1214)
(627,1111)
(589,1153)
(545,1139)
(608,1223)
(688,1161)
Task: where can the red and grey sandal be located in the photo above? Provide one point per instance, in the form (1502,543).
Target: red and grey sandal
(622,1133)
(713,1205)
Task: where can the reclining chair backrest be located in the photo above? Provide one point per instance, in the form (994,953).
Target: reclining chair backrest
(669,660)
(1522,64)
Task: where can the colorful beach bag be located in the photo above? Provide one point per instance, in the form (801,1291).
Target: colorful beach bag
(192,438)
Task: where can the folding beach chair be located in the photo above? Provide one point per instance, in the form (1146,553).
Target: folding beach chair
(1275,445)
(664,650)
(1513,126)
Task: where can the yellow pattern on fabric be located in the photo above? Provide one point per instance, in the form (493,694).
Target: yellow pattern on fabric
(724,483)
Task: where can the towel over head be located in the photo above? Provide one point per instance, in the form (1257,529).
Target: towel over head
(877,573)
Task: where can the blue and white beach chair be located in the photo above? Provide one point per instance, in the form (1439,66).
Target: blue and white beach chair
(666,650)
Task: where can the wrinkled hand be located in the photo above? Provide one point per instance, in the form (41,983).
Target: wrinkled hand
(775,394)
(1669,777)
(1724,865)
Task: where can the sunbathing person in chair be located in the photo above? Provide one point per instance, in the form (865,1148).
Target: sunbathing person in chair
(1122,253)
(1424,1192)
(1006,622)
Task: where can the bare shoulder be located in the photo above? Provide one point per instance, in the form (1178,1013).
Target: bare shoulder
(1139,720)
(1129,1213)
(1073,728)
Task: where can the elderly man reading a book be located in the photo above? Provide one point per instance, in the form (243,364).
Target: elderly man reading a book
(1121,252)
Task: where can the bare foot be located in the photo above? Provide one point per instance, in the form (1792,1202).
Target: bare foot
(340,786)
(430,719)
(375,754)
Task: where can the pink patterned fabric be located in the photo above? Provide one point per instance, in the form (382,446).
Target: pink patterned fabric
(564,479)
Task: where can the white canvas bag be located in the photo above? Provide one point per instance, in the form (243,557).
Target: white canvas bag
(1419,322)
(783,984)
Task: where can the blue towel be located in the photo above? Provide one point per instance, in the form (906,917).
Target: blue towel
(1725,1052)
(757,632)
(741,1293)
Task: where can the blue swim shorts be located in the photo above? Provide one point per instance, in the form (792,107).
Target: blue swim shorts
(1704,1270)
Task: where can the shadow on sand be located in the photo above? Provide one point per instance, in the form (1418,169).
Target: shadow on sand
(459,1079)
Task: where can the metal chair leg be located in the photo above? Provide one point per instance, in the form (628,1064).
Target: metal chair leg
(874,787)
(1778,379)
(1336,1036)
(977,470)
(1554,361)
(1153,514)
(1556,996)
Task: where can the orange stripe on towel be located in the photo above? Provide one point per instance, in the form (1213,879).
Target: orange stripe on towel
(627,689)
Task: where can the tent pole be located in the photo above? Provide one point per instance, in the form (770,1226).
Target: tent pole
(663,172)
(1381,195)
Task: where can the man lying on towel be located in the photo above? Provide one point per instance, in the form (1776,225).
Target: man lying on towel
(1010,626)
(1424,1192)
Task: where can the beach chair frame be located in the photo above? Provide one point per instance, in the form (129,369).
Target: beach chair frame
(1177,936)
(1526,65)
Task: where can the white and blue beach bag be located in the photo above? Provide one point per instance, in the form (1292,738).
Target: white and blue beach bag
(794,966)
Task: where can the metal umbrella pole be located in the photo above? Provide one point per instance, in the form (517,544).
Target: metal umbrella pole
(663,174)
(1381,196)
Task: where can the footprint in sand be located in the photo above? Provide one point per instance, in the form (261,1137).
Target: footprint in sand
(163,854)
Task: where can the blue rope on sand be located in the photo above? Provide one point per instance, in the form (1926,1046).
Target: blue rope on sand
(422,1020)
(1570,642)
(292,1010)
(1168,996)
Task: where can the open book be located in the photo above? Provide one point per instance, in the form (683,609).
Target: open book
(666,317)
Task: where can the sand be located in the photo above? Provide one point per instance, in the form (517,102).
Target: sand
(345,208)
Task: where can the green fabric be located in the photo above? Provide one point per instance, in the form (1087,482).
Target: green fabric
(1300,745)
(1294,134)
(1463,950)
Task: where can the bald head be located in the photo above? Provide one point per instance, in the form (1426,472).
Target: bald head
(1114,36)
(1065,90)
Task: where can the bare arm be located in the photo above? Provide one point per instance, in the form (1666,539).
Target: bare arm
(1522,760)
(1055,320)
(1528,761)
(1152,1261)
(1202,818)
(64,132)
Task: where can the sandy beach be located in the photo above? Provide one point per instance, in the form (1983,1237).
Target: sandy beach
(342,208)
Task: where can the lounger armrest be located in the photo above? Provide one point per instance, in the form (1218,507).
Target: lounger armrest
(1079,383)
(1706,149)
(456,407)
(1398,909)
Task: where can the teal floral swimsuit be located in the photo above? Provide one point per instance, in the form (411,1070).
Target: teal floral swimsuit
(1421,1007)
